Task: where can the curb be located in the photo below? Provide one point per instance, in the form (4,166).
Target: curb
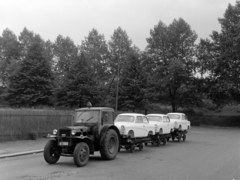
(21,153)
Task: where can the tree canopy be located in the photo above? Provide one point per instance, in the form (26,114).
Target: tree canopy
(174,69)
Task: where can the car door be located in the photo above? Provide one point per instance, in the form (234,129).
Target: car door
(184,119)
(138,130)
(146,126)
(166,125)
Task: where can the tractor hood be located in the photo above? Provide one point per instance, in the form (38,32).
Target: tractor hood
(77,128)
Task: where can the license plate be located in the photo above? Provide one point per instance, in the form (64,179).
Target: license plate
(63,143)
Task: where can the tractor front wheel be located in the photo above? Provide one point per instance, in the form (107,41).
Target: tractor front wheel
(51,152)
(81,154)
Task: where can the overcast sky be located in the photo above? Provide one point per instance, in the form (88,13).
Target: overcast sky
(75,18)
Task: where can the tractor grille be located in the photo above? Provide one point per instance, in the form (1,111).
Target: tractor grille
(64,132)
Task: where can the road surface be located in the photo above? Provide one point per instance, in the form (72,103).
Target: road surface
(207,154)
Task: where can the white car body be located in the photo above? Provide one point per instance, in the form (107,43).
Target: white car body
(134,125)
(180,121)
(165,126)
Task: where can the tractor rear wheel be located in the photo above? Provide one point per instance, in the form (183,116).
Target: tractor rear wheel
(110,146)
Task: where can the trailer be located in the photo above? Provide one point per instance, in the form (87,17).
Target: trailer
(178,135)
(158,139)
(129,143)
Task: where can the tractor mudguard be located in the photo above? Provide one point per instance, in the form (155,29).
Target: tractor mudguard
(104,131)
(89,142)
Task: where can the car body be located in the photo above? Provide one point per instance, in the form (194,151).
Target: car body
(165,126)
(180,121)
(134,125)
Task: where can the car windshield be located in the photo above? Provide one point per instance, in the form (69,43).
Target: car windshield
(154,118)
(86,116)
(124,119)
(174,116)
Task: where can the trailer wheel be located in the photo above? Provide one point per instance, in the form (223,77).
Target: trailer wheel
(51,153)
(81,154)
(179,138)
(184,137)
(110,146)
(164,141)
(132,148)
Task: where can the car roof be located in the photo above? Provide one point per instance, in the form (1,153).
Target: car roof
(132,114)
(156,114)
(176,113)
(95,108)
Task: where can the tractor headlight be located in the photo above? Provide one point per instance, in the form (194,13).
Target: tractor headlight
(122,129)
(55,131)
(73,132)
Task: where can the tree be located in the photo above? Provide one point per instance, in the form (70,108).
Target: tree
(9,55)
(173,50)
(119,46)
(65,53)
(79,87)
(225,65)
(133,84)
(95,51)
(26,38)
(31,85)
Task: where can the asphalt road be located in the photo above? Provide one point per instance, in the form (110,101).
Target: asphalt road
(207,154)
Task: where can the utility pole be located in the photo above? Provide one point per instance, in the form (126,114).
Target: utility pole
(116,106)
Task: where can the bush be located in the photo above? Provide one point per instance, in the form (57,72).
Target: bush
(33,135)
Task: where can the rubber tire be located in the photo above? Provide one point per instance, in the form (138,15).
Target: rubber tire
(184,137)
(132,149)
(49,153)
(77,154)
(179,138)
(164,141)
(105,151)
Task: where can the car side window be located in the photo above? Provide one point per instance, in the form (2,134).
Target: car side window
(168,120)
(184,117)
(145,120)
(139,119)
(164,119)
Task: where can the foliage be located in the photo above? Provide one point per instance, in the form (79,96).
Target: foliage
(31,85)
(9,55)
(34,72)
(119,47)
(172,50)
(95,51)
(79,85)
(223,59)
(133,85)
